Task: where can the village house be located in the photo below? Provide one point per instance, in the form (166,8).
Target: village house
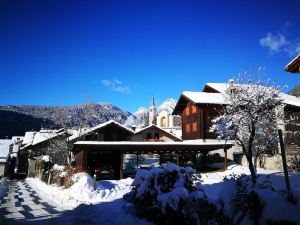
(9,149)
(150,140)
(197,110)
(35,145)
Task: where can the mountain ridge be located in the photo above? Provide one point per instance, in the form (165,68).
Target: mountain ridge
(37,116)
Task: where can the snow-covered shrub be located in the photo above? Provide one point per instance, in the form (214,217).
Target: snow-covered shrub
(248,203)
(172,195)
(295,163)
(62,175)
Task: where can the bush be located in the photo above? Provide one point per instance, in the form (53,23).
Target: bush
(173,195)
(247,203)
(295,163)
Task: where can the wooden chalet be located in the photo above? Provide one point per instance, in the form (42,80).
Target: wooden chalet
(197,110)
(108,131)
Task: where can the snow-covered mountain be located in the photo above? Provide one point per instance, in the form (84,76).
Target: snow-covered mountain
(168,105)
(142,113)
(35,117)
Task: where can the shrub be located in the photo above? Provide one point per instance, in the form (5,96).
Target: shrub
(173,195)
(295,163)
(247,203)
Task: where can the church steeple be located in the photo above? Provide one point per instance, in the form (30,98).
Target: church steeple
(152,112)
(152,104)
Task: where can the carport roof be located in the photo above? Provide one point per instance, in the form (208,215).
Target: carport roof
(133,147)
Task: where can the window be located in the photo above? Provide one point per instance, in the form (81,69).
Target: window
(156,135)
(194,127)
(194,109)
(187,128)
(187,110)
(149,136)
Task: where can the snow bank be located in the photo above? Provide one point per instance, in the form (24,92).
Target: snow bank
(276,207)
(82,191)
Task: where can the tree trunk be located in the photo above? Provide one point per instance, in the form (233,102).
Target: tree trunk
(251,154)
(251,168)
(254,161)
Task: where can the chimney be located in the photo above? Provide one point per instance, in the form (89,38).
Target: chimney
(230,85)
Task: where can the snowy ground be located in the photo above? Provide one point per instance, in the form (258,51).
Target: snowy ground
(212,182)
(105,205)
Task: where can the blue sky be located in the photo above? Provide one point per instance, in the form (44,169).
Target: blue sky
(68,52)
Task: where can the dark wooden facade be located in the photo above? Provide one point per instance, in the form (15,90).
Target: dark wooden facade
(87,161)
(196,119)
(110,132)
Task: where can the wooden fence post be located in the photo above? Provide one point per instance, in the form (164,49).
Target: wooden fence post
(287,181)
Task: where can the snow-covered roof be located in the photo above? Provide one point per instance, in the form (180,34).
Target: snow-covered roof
(28,139)
(45,135)
(222,87)
(291,100)
(170,143)
(176,132)
(153,125)
(209,141)
(4,152)
(291,64)
(6,141)
(205,97)
(99,126)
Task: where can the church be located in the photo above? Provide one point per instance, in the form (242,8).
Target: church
(163,119)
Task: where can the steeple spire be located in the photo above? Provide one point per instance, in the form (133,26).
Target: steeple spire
(152,112)
(152,104)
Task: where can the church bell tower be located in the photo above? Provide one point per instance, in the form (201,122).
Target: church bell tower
(152,112)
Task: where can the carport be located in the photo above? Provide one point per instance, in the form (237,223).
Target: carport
(88,152)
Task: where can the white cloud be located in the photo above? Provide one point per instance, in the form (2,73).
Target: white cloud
(116,85)
(118,81)
(106,83)
(278,43)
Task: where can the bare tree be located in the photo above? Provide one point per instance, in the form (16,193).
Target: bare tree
(60,145)
(251,117)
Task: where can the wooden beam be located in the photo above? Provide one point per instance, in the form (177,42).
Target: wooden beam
(177,159)
(121,165)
